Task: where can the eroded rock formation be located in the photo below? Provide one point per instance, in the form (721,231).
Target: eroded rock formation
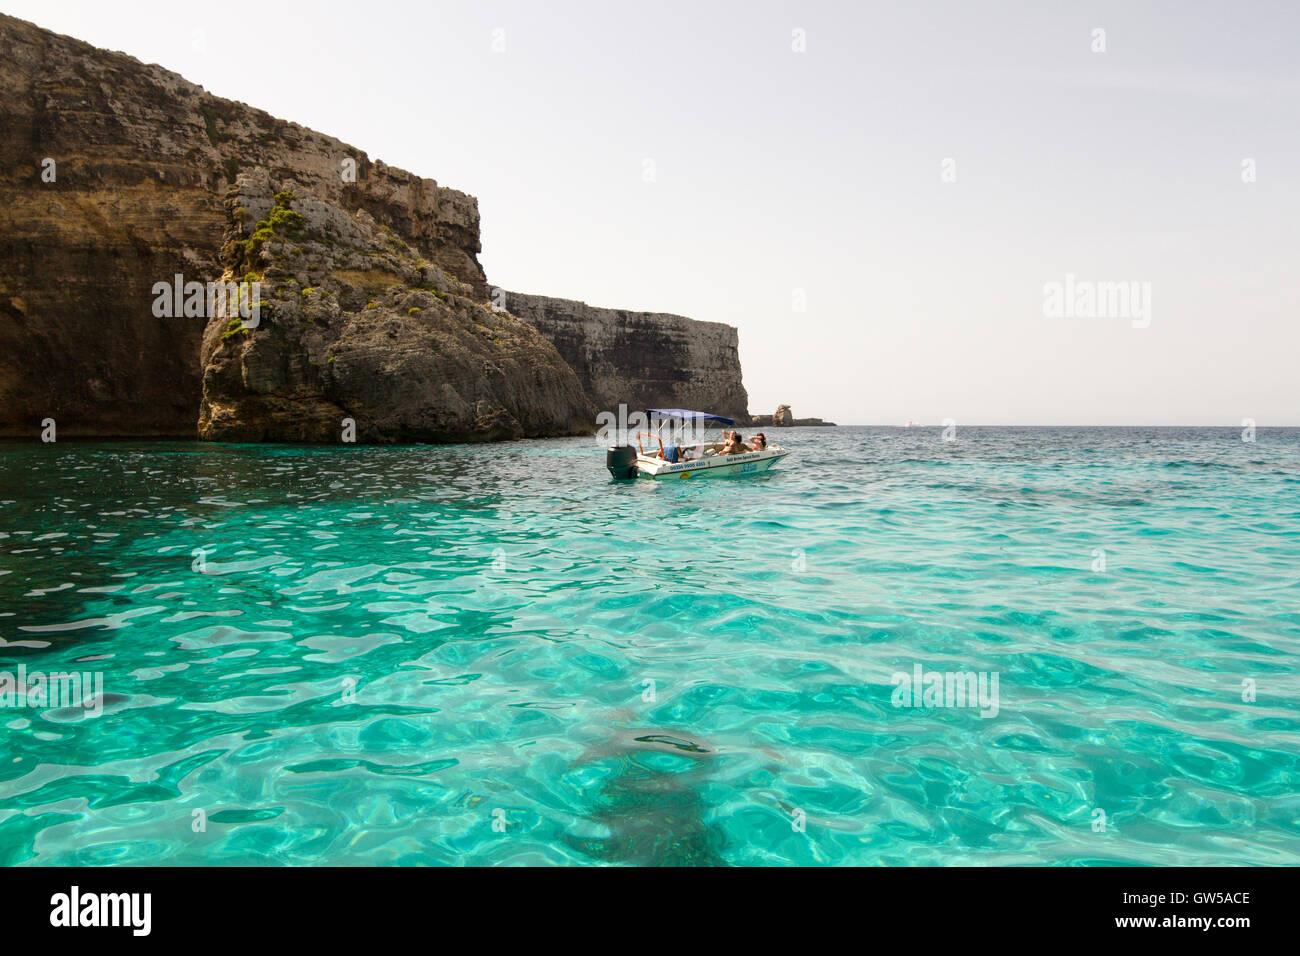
(355,325)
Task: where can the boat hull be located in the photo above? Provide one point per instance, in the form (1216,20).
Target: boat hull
(715,466)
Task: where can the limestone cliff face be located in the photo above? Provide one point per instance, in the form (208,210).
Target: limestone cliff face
(113,176)
(116,176)
(642,359)
(359,337)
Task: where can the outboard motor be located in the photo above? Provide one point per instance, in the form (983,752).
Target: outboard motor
(621,461)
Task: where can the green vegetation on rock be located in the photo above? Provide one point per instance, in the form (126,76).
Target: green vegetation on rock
(233,327)
(280,221)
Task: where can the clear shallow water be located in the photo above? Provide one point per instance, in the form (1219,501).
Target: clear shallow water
(390,645)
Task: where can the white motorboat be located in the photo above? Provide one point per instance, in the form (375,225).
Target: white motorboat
(684,445)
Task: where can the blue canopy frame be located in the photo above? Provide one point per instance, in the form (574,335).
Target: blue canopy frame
(686,415)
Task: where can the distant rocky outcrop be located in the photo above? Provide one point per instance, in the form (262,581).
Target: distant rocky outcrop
(784,418)
(354,323)
(642,359)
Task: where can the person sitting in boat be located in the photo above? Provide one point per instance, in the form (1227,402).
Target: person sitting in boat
(735,445)
(760,441)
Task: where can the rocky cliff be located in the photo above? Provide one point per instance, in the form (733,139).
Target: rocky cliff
(116,176)
(642,359)
(113,176)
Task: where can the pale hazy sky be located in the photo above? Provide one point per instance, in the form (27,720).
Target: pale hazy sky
(821,171)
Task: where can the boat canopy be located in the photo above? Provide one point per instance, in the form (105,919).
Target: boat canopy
(685,415)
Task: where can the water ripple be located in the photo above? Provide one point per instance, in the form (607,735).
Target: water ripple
(492,654)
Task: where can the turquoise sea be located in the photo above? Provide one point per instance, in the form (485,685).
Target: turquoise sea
(495,655)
